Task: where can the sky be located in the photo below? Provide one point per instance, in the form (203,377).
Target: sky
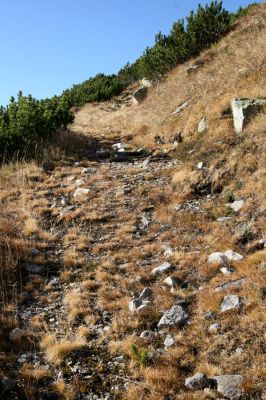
(47,46)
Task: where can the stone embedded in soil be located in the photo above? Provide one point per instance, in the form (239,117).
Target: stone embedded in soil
(162,269)
(230,386)
(175,317)
(230,285)
(233,256)
(172,282)
(214,328)
(146,294)
(79,192)
(147,335)
(169,341)
(16,335)
(203,125)
(197,381)
(218,258)
(231,302)
(236,205)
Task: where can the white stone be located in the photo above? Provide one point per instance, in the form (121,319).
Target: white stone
(218,258)
(233,256)
(203,125)
(240,108)
(236,205)
(169,341)
(79,192)
(165,267)
(172,281)
(200,165)
(231,302)
(181,107)
(214,328)
(226,270)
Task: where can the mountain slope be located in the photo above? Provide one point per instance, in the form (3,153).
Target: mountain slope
(137,273)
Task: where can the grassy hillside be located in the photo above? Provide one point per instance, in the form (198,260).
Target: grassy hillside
(72,263)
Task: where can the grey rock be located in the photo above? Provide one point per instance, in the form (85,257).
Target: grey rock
(214,328)
(140,94)
(172,282)
(147,335)
(231,302)
(233,256)
(197,381)
(134,305)
(230,285)
(200,165)
(203,125)
(210,315)
(79,192)
(227,270)
(169,341)
(33,268)
(218,258)
(181,107)
(16,335)
(146,294)
(243,109)
(162,269)
(175,317)
(223,219)
(7,384)
(230,386)
(236,205)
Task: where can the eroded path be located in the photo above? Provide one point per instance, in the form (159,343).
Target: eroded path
(102,246)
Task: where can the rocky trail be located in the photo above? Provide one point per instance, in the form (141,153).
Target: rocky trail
(113,209)
(115,281)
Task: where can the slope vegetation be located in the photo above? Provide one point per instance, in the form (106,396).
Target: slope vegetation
(144,278)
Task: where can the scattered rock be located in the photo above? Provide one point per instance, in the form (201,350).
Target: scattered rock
(140,94)
(162,269)
(203,125)
(172,282)
(230,285)
(236,205)
(141,302)
(33,268)
(243,110)
(175,317)
(147,335)
(197,381)
(233,256)
(181,107)
(218,258)
(146,294)
(227,270)
(231,302)
(79,192)
(230,386)
(169,341)
(210,315)
(214,328)
(200,165)
(223,219)
(119,147)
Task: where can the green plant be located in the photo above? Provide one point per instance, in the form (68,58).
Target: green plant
(141,355)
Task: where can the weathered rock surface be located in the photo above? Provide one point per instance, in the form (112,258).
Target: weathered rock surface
(231,302)
(197,381)
(140,94)
(203,125)
(162,269)
(230,386)
(175,317)
(243,109)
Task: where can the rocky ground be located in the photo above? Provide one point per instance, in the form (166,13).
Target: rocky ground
(124,276)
